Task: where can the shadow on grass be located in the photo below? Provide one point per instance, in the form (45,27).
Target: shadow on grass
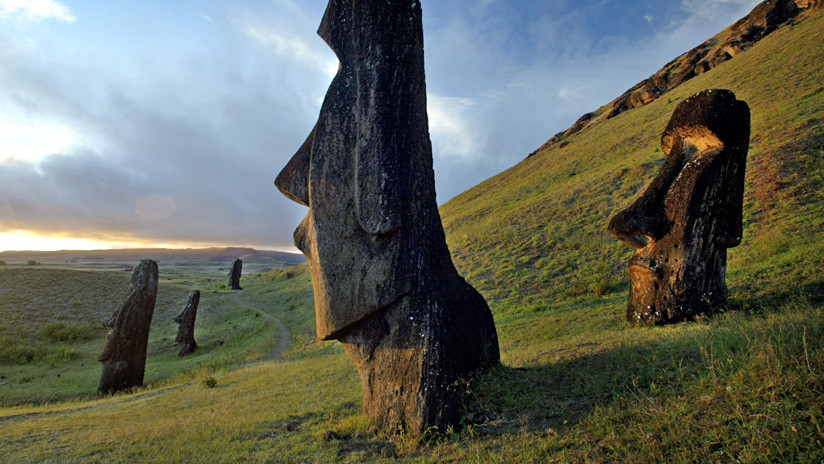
(812,291)
(558,396)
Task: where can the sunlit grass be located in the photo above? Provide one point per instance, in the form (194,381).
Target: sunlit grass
(577,383)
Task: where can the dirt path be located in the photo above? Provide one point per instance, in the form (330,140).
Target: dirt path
(284,340)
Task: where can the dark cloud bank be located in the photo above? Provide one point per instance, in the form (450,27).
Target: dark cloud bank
(187,148)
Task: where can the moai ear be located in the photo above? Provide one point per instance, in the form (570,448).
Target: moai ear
(376,182)
(293,180)
(732,225)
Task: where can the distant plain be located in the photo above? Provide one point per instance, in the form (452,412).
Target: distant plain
(578,384)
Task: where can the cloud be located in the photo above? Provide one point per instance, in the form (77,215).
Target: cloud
(707,8)
(184,145)
(156,207)
(35,10)
(183,149)
(32,139)
(288,32)
(450,131)
(289,47)
(531,69)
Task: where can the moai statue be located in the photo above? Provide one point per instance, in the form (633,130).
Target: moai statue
(186,329)
(690,214)
(234,274)
(124,357)
(383,278)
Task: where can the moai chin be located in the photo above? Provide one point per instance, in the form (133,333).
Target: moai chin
(234,274)
(124,357)
(383,278)
(186,329)
(690,214)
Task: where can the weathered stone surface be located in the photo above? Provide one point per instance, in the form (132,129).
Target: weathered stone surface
(186,329)
(234,274)
(124,357)
(383,279)
(690,214)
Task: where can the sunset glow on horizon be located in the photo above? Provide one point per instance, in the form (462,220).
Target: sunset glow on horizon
(31,241)
(112,137)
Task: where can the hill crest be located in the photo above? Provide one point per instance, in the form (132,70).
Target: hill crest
(764,19)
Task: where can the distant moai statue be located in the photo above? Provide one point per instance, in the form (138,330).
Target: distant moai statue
(384,282)
(234,274)
(124,357)
(186,329)
(690,214)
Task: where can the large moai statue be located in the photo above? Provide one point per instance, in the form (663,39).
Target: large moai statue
(186,329)
(124,357)
(383,278)
(234,274)
(690,214)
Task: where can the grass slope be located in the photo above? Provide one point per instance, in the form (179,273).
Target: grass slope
(578,384)
(51,333)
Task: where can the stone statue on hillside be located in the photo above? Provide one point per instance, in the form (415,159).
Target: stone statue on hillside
(186,329)
(234,275)
(690,214)
(124,357)
(383,278)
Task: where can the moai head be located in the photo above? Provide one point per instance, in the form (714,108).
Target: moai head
(383,279)
(235,273)
(186,329)
(690,214)
(365,172)
(124,356)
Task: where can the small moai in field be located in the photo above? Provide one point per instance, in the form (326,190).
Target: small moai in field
(690,214)
(234,274)
(186,329)
(124,357)
(383,279)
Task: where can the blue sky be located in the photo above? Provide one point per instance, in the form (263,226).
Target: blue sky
(128,123)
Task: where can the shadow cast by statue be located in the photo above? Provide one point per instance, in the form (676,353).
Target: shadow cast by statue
(559,395)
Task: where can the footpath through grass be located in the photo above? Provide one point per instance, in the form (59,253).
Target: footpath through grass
(577,383)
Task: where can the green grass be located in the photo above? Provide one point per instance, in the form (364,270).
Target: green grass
(51,332)
(577,383)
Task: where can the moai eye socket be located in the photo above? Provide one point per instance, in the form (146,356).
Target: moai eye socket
(691,212)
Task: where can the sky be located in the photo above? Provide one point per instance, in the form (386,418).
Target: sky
(165,123)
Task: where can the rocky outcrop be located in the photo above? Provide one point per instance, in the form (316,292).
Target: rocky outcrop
(124,357)
(186,328)
(690,214)
(762,20)
(234,274)
(383,278)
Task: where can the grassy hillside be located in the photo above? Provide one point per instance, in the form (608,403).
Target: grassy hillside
(578,384)
(51,332)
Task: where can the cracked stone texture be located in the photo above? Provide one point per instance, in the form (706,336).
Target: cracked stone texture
(186,329)
(384,282)
(234,274)
(124,357)
(690,214)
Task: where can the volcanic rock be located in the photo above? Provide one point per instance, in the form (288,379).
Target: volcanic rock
(234,275)
(124,357)
(383,278)
(186,329)
(690,214)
